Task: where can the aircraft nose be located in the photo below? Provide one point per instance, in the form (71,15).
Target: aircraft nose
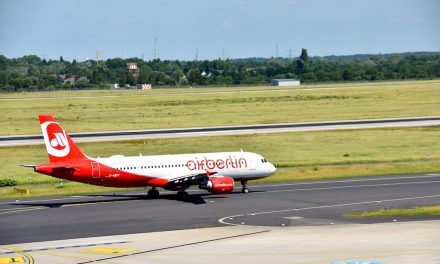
(272,168)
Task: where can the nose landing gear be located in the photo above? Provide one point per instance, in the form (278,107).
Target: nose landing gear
(244,188)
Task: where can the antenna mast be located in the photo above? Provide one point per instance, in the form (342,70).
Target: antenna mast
(99,56)
(155,48)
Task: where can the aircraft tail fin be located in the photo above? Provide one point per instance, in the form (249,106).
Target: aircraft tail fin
(59,145)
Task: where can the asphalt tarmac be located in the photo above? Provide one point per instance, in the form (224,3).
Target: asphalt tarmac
(305,203)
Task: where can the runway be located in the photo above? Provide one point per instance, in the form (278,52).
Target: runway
(302,203)
(16,140)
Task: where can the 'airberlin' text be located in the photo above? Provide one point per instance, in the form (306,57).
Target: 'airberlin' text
(210,164)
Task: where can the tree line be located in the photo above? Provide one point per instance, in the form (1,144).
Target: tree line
(32,73)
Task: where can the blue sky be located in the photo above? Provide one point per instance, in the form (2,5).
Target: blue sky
(237,29)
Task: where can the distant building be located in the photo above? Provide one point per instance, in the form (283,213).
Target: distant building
(70,80)
(145,86)
(285,82)
(132,67)
(65,79)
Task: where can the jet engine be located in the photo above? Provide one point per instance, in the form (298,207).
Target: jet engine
(220,185)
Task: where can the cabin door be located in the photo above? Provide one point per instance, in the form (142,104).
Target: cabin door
(96,171)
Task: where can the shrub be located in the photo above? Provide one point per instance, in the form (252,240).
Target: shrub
(7,182)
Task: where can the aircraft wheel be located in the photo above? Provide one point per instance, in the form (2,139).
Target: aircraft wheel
(182,196)
(153,194)
(245,190)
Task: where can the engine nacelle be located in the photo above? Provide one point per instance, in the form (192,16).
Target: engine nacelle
(219,185)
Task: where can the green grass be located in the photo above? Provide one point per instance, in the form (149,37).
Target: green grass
(164,108)
(195,90)
(415,211)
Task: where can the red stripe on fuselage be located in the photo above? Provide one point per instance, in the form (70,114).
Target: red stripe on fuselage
(96,173)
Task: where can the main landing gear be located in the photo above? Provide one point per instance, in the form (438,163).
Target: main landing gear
(244,188)
(182,196)
(153,193)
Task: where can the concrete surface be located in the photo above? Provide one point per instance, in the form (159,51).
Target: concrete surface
(397,242)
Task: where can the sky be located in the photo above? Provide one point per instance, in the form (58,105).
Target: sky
(203,29)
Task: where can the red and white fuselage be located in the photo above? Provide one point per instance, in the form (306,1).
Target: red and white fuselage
(237,165)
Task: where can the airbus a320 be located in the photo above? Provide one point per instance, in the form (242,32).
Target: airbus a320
(214,172)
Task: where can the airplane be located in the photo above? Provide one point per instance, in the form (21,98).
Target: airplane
(214,172)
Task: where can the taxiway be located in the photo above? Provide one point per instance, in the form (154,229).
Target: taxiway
(305,203)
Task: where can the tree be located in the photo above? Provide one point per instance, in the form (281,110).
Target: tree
(82,82)
(32,73)
(131,79)
(304,56)
(4,62)
(302,62)
(178,74)
(194,76)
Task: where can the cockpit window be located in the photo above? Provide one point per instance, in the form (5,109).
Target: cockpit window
(263,160)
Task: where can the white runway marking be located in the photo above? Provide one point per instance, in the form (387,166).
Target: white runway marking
(223,220)
(349,186)
(78,245)
(342,181)
(48,200)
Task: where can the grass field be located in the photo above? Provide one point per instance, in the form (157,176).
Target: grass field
(82,111)
(415,211)
(196,90)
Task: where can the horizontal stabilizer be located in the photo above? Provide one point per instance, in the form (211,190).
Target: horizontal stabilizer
(28,166)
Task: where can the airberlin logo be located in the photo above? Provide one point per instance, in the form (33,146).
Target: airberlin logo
(55,139)
(224,185)
(59,140)
(211,164)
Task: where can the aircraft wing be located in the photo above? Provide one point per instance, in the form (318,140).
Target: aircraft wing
(191,179)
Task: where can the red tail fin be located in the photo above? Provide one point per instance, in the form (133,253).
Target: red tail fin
(59,145)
